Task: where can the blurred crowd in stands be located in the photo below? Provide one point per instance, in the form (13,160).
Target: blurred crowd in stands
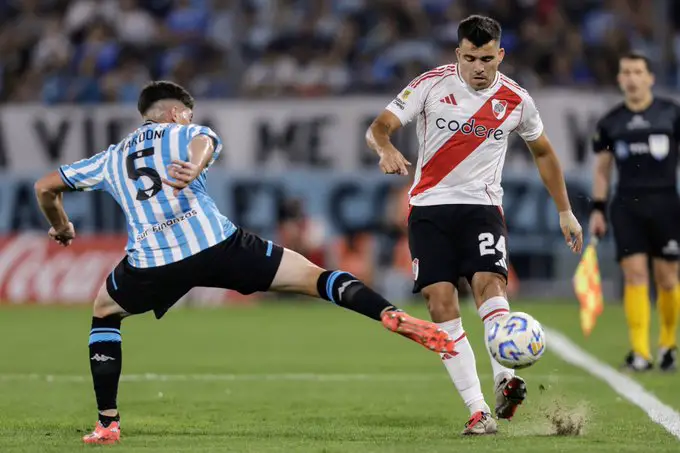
(89,51)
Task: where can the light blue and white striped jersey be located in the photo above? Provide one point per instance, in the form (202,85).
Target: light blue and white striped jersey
(162,228)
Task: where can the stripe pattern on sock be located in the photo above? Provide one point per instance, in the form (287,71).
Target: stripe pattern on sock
(102,334)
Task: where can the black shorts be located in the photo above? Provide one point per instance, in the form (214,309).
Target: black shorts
(646,223)
(244,262)
(449,242)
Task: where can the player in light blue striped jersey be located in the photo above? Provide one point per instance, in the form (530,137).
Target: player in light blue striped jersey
(162,228)
(178,240)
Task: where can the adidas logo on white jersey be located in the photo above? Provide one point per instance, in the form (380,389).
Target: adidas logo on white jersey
(450,99)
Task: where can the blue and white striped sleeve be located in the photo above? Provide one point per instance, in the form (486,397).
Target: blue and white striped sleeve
(195,130)
(86,174)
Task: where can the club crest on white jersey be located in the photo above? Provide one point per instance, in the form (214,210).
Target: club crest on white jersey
(498,108)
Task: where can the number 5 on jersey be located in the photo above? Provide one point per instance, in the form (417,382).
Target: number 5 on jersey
(489,246)
(135,173)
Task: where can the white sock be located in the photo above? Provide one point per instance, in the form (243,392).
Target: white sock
(490,310)
(463,368)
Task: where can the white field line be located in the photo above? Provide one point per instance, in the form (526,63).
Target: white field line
(623,385)
(294,377)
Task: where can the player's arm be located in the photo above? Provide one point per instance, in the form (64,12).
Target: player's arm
(85,175)
(601,179)
(401,111)
(199,155)
(49,190)
(602,176)
(530,129)
(549,168)
(604,161)
(378,139)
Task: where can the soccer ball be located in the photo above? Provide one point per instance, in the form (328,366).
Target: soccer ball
(516,340)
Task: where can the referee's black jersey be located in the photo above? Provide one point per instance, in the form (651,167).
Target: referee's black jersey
(644,144)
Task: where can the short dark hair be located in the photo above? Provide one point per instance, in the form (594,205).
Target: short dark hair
(633,55)
(479,30)
(162,89)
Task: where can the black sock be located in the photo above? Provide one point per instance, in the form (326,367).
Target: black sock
(105,420)
(344,290)
(106,361)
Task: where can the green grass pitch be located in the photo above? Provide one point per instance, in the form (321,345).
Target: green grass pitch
(304,377)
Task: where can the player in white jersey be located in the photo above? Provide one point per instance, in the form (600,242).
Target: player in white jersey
(179,240)
(465,113)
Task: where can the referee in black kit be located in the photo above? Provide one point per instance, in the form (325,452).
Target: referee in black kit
(641,135)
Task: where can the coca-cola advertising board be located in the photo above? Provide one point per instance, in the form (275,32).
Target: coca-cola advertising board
(36,270)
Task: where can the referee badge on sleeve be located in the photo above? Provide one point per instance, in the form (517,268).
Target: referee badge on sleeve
(621,149)
(659,145)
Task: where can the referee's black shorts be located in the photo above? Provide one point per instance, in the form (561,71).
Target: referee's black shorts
(243,262)
(647,223)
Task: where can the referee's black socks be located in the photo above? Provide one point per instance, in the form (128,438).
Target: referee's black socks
(345,290)
(106,362)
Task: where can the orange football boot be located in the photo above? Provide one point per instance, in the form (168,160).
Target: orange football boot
(104,435)
(422,332)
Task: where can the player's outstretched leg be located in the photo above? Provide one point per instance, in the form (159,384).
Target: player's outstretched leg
(490,295)
(296,274)
(106,358)
(442,302)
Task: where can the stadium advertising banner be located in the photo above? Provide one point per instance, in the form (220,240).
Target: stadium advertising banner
(35,270)
(342,202)
(311,150)
(274,135)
